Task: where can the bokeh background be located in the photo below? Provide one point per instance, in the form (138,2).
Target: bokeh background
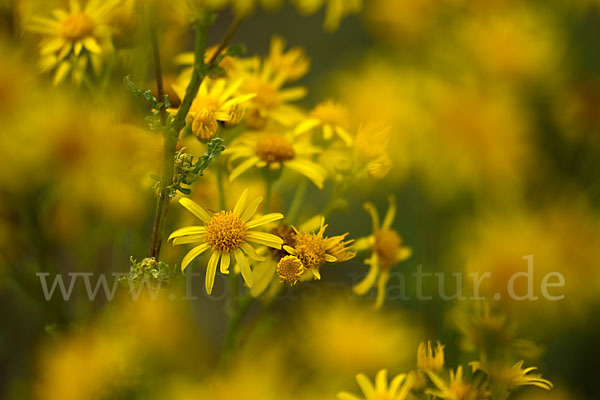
(495,114)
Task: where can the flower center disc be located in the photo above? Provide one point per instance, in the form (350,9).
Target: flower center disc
(273,148)
(330,113)
(225,232)
(387,246)
(289,269)
(77,26)
(310,250)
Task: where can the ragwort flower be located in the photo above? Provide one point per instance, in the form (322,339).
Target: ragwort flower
(332,118)
(216,101)
(512,377)
(398,388)
(430,359)
(314,249)
(272,98)
(75,37)
(228,235)
(274,151)
(386,249)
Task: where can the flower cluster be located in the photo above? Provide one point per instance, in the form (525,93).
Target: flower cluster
(486,381)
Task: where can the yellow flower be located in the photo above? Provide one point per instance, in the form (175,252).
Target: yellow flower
(456,389)
(315,249)
(216,101)
(270,103)
(386,251)
(332,118)
(336,10)
(275,151)
(226,234)
(83,34)
(371,147)
(290,269)
(429,359)
(279,267)
(512,377)
(398,388)
(293,64)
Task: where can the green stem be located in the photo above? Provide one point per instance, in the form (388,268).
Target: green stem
(294,209)
(171,135)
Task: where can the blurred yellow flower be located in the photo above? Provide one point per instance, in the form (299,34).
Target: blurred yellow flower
(274,151)
(386,251)
(456,388)
(270,103)
(513,42)
(336,10)
(293,63)
(245,7)
(430,359)
(371,147)
(398,389)
(81,33)
(512,377)
(332,118)
(226,233)
(349,337)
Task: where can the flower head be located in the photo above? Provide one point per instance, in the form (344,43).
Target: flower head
(512,377)
(227,234)
(430,359)
(72,38)
(335,10)
(215,102)
(290,269)
(293,64)
(274,150)
(314,249)
(386,249)
(332,118)
(398,388)
(371,148)
(457,388)
(271,98)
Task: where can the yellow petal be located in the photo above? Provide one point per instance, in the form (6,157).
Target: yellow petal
(240,206)
(61,72)
(192,254)
(381,381)
(195,209)
(92,45)
(188,230)
(225,260)
(367,283)
(211,271)
(381,288)
(365,385)
(265,219)
(391,213)
(243,167)
(267,239)
(248,249)
(251,209)
(370,208)
(242,262)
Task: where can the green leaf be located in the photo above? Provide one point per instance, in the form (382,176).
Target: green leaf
(235,50)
